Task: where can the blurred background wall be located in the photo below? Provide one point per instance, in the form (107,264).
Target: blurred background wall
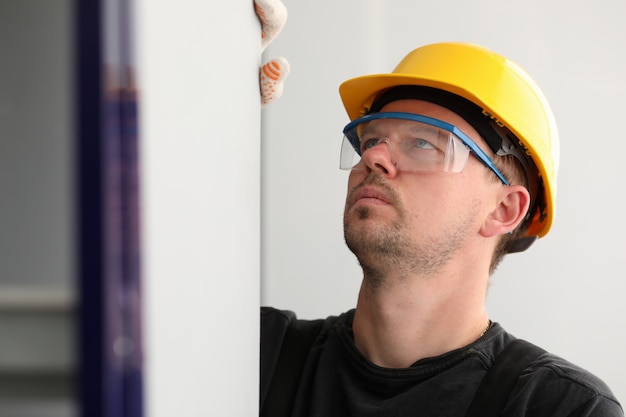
(196,68)
(201,163)
(37,295)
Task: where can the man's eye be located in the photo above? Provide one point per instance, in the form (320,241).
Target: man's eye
(369,143)
(423,144)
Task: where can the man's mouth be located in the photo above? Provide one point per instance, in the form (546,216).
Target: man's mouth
(370,195)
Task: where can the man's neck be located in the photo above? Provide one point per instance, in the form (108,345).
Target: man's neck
(408,319)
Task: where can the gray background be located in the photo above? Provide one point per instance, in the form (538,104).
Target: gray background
(567,292)
(37,360)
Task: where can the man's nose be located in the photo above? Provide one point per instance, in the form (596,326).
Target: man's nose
(380,158)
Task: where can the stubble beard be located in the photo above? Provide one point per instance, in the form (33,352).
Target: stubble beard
(387,247)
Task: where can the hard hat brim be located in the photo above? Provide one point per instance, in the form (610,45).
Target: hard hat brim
(359,93)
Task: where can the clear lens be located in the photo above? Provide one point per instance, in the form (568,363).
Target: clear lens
(348,158)
(414,133)
(413,145)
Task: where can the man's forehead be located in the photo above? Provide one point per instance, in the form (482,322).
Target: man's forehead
(396,123)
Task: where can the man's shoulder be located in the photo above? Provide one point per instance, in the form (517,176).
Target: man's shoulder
(274,322)
(277,324)
(551,366)
(282,331)
(553,386)
(274,315)
(549,385)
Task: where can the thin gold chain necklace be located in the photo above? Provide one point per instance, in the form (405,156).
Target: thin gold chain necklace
(486,328)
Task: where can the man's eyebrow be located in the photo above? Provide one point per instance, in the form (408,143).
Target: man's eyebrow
(421,127)
(369,127)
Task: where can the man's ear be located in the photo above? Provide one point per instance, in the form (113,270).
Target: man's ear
(510,210)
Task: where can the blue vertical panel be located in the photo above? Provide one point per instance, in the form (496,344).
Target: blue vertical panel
(108,206)
(90,208)
(121,188)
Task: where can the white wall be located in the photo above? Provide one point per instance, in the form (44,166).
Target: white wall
(200,138)
(567,292)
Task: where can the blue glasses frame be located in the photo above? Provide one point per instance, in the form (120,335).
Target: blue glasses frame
(466,140)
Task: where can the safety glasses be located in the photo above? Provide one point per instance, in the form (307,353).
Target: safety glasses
(416,143)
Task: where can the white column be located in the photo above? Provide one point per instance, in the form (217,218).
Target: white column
(200,159)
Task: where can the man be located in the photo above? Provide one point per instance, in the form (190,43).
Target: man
(453,160)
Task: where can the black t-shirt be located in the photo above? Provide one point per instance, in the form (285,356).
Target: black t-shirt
(337,380)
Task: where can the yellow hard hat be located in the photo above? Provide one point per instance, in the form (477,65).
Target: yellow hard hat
(503,90)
